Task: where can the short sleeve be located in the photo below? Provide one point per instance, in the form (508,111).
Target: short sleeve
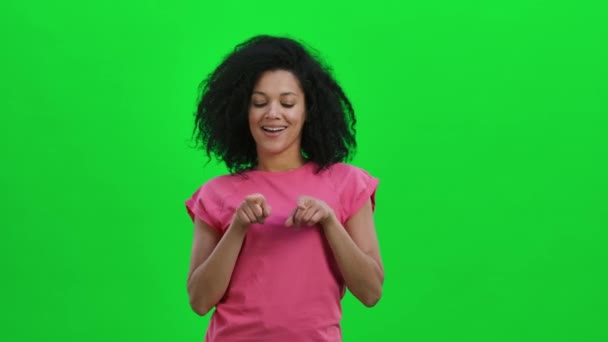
(358,187)
(207,205)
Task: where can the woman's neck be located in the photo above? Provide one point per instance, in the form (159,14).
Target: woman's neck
(279,163)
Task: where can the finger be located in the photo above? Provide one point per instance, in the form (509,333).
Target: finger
(289,222)
(308,215)
(255,198)
(265,209)
(304,202)
(316,218)
(257,211)
(242,216)
(250,215)
(299,215)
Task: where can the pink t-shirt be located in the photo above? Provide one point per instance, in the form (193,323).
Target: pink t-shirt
(285,286)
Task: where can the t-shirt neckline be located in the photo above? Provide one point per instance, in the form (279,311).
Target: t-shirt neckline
(302,167)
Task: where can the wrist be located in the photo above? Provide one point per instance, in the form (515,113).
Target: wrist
(330,220)
(238,229)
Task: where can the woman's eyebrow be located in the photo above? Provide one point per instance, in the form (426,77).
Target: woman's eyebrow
(282,94)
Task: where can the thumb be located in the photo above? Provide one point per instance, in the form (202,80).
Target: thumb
(265,209)
(258,199)
(289,221)
(303,202)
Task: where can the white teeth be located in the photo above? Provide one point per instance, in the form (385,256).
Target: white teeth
(273,129)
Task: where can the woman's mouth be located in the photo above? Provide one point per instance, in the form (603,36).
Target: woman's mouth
(272,130)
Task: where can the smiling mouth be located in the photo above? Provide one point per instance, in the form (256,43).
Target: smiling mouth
(273,129)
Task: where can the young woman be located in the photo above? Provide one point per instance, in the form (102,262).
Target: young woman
(279,239)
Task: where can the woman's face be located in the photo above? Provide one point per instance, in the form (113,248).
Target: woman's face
(276,114)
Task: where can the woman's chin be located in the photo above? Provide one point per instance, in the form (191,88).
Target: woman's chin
(270,151)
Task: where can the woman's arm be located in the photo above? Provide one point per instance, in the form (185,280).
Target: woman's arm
(214,256)
(355,248)
(212,262)
(357,254)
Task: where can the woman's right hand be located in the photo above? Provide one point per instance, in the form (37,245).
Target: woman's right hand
(253,209)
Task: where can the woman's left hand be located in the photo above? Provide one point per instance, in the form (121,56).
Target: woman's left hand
(310,211)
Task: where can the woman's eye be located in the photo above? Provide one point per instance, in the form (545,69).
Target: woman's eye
(288,105)
(259,105)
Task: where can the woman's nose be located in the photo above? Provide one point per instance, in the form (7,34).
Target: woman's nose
(273,110)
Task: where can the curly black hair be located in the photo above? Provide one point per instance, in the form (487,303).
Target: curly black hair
(221,119)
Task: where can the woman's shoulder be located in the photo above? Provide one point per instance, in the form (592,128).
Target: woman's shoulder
(350,176)
(342,170)
(221,184)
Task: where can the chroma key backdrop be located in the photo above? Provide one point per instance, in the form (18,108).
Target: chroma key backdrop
(485,121)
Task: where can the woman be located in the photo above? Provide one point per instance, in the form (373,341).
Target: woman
(279,239)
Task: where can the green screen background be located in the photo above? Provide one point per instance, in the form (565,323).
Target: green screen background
(484,120)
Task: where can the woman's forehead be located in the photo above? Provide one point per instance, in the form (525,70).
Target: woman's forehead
(277,82)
